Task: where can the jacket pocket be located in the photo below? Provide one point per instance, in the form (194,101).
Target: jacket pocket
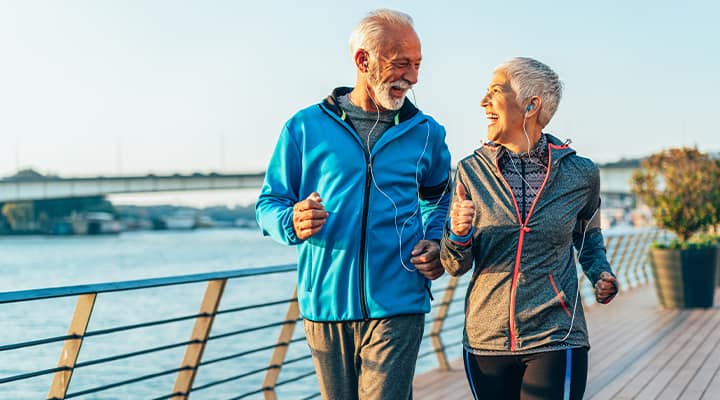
(559,295)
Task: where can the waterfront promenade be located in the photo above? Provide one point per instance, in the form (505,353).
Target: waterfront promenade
(639,351)
(146,338)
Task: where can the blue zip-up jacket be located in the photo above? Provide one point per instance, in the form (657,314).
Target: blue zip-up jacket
(380,205)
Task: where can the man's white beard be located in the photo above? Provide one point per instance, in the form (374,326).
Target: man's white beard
(382,94)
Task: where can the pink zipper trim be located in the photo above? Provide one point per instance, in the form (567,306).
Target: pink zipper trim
(559,296)
(523,230)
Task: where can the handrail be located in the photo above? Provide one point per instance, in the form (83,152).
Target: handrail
(65,291)
(626,252)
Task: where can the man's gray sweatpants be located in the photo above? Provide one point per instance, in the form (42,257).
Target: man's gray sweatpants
(366,360)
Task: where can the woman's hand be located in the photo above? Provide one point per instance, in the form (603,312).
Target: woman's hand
(605,288)
(461,213)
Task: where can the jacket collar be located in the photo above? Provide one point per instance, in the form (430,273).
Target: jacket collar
(407,111)
(490,151)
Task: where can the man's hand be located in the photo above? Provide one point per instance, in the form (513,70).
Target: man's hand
(462,212)
(309,216)
(605,288)
(426,258)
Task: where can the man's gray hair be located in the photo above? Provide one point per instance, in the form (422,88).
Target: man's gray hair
(529,77)
(368,34)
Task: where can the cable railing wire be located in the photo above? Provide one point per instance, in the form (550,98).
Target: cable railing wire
(631,265)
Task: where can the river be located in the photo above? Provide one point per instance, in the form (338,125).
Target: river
(33,262)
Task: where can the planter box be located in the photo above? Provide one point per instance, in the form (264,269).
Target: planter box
(685,278)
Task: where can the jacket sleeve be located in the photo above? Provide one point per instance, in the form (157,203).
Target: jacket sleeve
(593,257)
(456,258)
(587,236)
(435,190)
(280,191)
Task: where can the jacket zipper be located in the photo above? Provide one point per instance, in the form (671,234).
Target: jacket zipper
(523,230)
(524,195)
(513,288)
(363,230)
(363,233)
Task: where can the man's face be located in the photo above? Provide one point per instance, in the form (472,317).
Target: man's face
(396,69)
(505,116)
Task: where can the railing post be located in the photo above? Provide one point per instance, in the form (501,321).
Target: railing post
(71,347)
(640,242)
(200,334)
(644,259)
(625,242)
(283,342)
(439,320)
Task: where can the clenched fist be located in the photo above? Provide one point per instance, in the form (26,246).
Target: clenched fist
(309,216)
(605,288)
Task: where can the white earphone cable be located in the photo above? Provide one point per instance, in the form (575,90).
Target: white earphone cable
(399,231)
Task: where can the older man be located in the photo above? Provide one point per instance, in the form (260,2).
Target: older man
(360,183)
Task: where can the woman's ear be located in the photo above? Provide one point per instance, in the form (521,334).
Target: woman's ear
(533,106)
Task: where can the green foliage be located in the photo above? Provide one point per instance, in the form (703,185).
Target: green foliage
(682,186)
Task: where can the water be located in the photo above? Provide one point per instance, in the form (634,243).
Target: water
(36,262)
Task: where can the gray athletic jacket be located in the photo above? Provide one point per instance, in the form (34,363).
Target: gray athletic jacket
(524,285)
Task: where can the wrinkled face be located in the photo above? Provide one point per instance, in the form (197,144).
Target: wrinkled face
(505,116)
(396,68)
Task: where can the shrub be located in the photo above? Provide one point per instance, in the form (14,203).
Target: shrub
(682,186)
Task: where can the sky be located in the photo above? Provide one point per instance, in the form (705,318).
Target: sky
(134,87)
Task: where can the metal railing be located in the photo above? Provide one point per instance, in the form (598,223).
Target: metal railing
(257,332)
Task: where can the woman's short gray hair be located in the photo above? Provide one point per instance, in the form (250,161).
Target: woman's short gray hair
(529,77)
(368,34)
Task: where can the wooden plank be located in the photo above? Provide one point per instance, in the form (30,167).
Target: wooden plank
(712,392)
(709,369)
(605,359)
(607,323)
(71,347)
(640,351)
(636,371)
(438,321)
(664,368)
(278,357)
(687,362)
(445,385)
(200,334)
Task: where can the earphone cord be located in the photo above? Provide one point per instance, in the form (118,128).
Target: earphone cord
(534,192)
(577,295)
(527,137)
(399,231)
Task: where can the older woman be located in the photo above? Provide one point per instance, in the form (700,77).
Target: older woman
(522,201)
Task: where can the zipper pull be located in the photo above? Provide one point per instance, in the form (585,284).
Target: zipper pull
(427,287)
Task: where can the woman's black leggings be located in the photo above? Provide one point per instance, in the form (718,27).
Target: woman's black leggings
(552,375)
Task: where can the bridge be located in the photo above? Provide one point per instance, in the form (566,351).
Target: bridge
(44,188)
(613,181)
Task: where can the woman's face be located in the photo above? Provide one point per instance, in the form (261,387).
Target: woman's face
(505,116)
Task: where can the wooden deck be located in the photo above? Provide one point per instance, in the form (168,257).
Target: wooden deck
(639,351)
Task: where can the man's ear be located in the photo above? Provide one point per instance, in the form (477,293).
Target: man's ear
(361,60)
